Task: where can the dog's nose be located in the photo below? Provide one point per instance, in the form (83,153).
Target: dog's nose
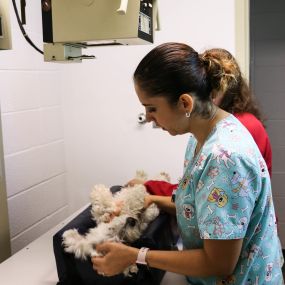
(131,221)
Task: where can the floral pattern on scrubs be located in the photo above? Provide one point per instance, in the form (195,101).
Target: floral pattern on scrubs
(225,193)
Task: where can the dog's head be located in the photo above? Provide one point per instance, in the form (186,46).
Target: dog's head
(131,230)
(135,225)
(133,217)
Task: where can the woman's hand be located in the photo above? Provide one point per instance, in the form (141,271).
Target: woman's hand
(116,257)
(148,200)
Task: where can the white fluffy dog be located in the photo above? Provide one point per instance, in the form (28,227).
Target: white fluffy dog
(127,227)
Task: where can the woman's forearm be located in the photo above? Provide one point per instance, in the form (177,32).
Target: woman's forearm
(164,203)
(193,262)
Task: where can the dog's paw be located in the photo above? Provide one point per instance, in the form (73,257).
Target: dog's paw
(101,194)
(70,239)
(71,236)
(163,176)
(151,212)
(75,243)
(105,218)
(95,253)
(141,175)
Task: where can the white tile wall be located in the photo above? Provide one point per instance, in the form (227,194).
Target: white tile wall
(13,95)
(38,229)
(39,202)
(28,89)
(51,124)
(34,175)
(33,135)
(33,166)
(21,130)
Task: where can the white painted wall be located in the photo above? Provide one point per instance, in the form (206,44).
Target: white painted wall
(67,127)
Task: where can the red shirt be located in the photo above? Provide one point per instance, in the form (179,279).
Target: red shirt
(260,136)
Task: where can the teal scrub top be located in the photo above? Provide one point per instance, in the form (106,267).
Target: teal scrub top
(225,193)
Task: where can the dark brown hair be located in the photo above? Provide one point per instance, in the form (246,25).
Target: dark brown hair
(172,69)
(225,76)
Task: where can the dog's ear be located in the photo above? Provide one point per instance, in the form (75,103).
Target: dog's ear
(131,222)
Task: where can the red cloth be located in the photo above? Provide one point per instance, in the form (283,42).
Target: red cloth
(160,188)
(260,136)
(258,133)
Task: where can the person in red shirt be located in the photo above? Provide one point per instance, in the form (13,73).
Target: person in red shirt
(233,95)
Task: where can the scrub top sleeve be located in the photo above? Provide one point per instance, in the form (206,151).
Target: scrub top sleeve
(226,200)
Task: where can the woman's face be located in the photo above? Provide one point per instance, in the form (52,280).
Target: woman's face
(170,118)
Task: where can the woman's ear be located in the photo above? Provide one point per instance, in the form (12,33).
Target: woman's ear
(186,102)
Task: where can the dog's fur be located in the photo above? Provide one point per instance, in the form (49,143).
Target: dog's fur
(125,228)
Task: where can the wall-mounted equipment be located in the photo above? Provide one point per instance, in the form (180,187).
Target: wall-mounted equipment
(5,28)
(85,23)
